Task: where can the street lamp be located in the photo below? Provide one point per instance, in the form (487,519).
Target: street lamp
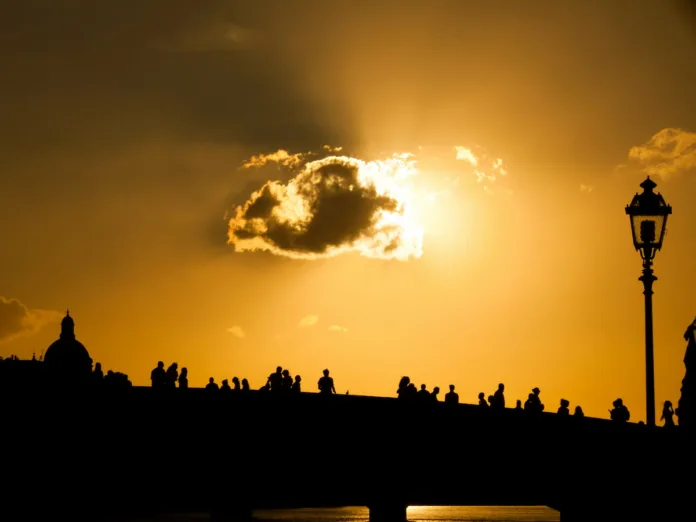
(648,213)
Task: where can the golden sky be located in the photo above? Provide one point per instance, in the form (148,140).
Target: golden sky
(469,230)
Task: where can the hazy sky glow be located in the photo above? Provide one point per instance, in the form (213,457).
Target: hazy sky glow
(433,189)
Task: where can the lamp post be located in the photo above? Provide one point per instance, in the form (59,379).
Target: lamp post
(648,212)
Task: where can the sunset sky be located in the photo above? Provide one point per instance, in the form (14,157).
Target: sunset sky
(501,140)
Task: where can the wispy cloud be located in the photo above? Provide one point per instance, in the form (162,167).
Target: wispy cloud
(668,152)
(281,156)
(332,149)
(17,320)
(237,331)
(308,320)
(487,169)
(337,328)
(586,188)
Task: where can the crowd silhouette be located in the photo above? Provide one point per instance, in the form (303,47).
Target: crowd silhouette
(282,382)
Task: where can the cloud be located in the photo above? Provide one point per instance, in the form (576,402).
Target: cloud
(337,328)
(668,152)
(282,157)
(331,149)
(492,171)
(308,320)
(237,331)
(586,188)
(17,320)
(333,205)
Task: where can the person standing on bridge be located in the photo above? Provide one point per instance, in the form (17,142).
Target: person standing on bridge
(434,394)
(451,397)
(275,380)
(326,384)
(499,397)
(158,376)
(668,414)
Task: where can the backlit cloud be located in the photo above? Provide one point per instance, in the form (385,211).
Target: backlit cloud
(668,152)
(237,331)
(308,320)
(282,157)
(333,205)
(17,320)
(337,328)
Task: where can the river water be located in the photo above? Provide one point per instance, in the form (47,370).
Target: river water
(415,514)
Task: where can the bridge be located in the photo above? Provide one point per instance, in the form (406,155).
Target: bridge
(140,451)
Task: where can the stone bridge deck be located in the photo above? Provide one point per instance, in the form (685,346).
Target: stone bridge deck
(141,451)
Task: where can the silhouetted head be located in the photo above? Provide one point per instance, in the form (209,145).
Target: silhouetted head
(490,399)
(436,390)
(211,380)
(501,387)
(668,404)
(565,403)
(110,372)
(286,373)
(279,369)
(160,364)
(617,403)
(412,386)
(451,387)
(97,367)
(481,396)
(245,382)
(235,380)
(578,410)
(184,371)
(224,381)
(518,404)
(404,381)
(174,365)
(422,386)
(326,373)
(298,378)
(536,391)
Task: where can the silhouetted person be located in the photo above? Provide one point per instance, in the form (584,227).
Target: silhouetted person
(275,380)
(491,400)
(158,376)
(482,400)
(286,382)
(518,405)
(533,403)
(297,385)
(402,390)
(499,397)
(578,412)
(423,393)
(172,375)
(212,385)
(563,408)
(245,385)
(98,373)
(668,414)
(434,394)
(183,379)
(235,381)
(326,384)
(265,388)
(451,397)
(225,386)
(620,412)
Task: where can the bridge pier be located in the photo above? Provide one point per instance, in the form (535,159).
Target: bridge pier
(388,512)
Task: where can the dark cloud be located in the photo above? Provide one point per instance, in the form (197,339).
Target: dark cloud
(333,205)
(17,320)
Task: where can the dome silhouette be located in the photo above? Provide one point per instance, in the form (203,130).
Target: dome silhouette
(68,356)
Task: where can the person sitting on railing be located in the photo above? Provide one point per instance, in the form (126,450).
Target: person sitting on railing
(235,381)
(245,385)
(183,379)
(434,394)
(482,400)
(212,385)
(499,397)
(423,394)
(451,397)
(563,409)
(225,386)
(297,385)
(578,412)
(286,381)
(620,412)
